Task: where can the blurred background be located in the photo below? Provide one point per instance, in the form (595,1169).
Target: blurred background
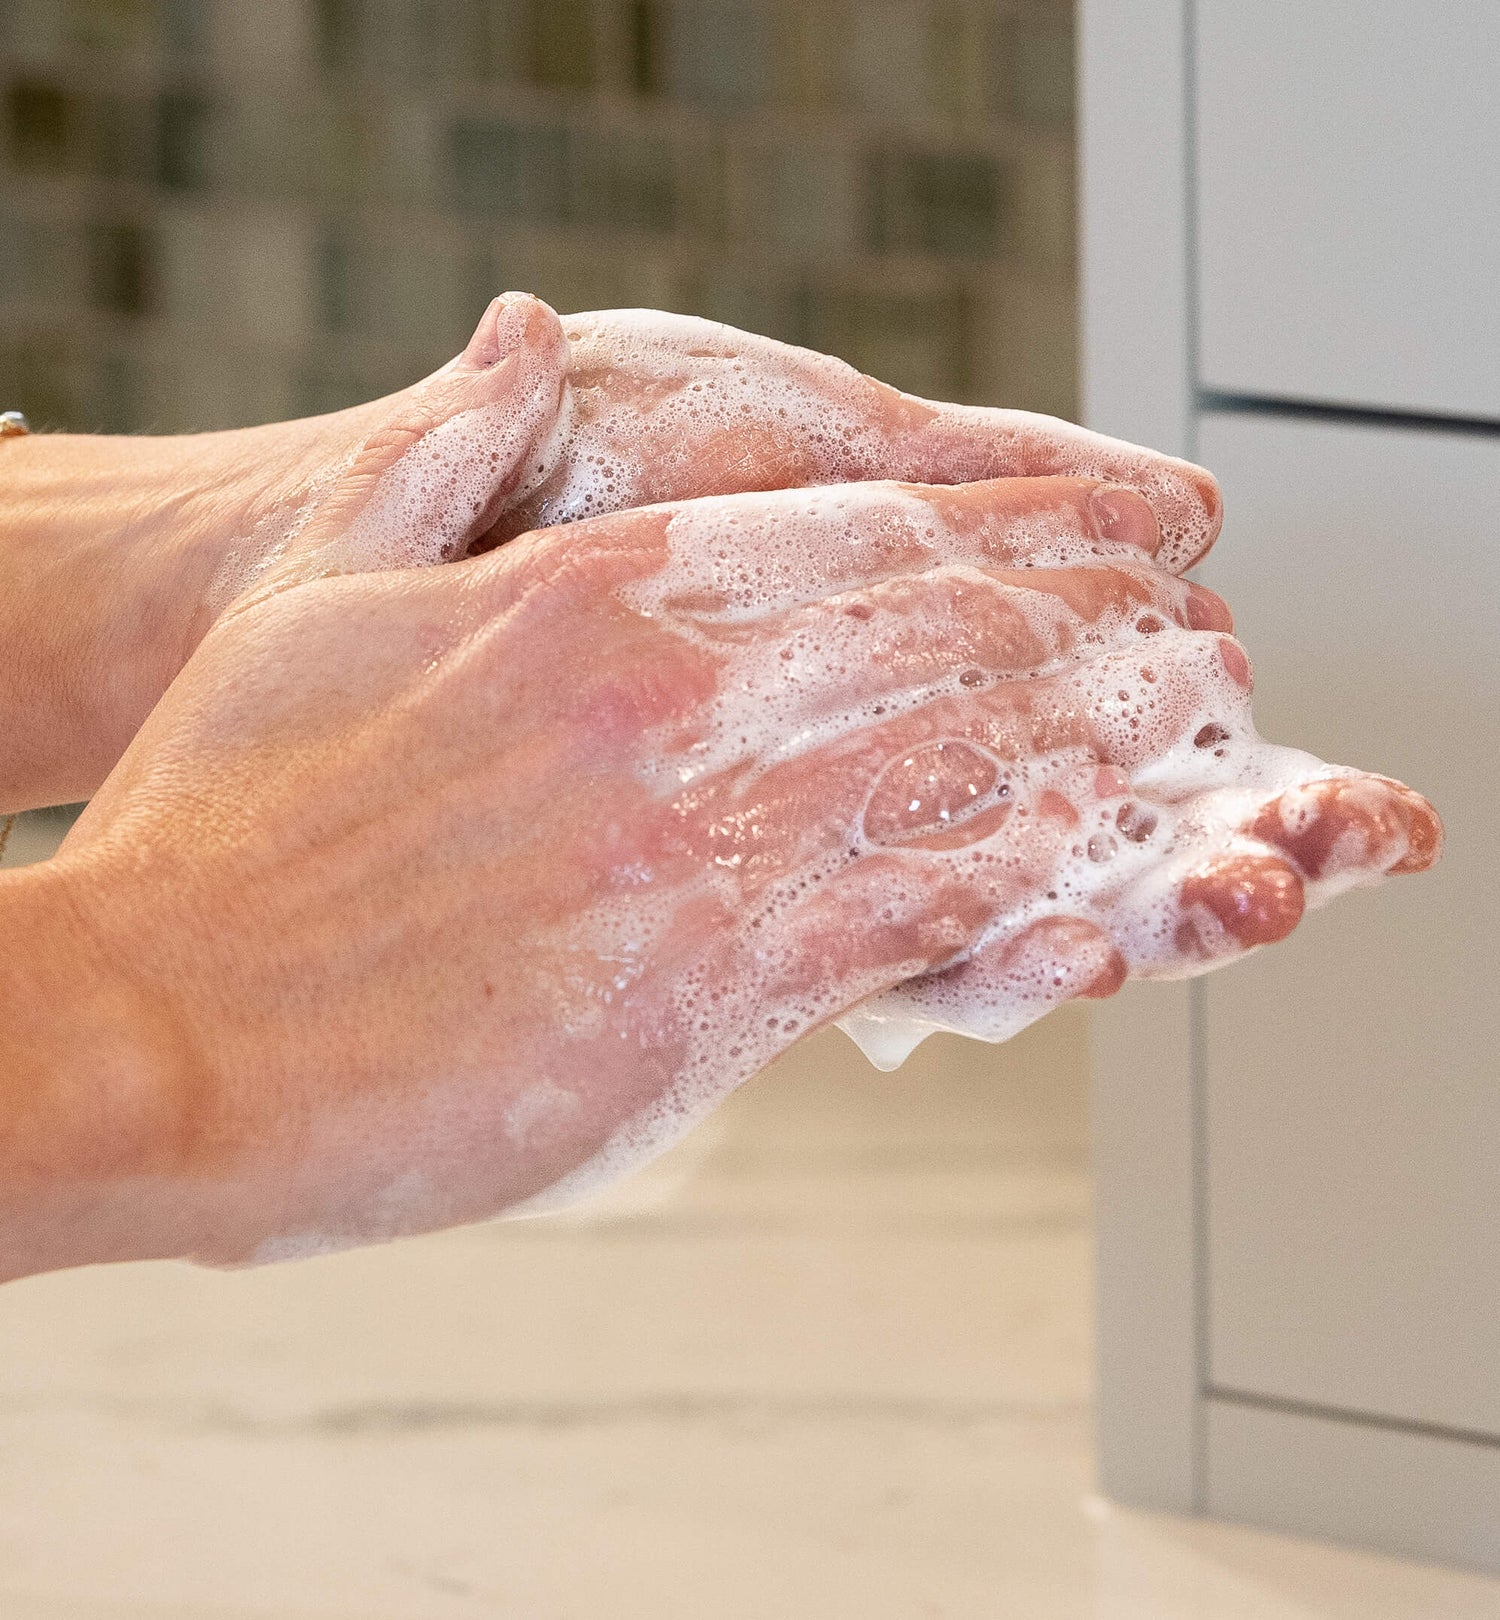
(834,1356)
(224,211)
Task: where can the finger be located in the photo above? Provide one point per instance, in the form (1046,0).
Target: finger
(1338,829)
(1006,984)
(858,658)
(1237,903)
(670,407)
(435,473)
(739,556)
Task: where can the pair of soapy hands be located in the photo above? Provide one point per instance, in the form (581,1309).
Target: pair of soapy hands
(559,754)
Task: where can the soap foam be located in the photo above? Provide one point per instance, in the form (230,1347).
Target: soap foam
(672,406)
(1075,795)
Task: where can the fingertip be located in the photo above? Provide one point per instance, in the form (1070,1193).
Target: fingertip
(1207,610)
(1211,496)
(1424,835)
(513,321)
(1256,900)
(1125,516)
(1236,662)
(1109,981)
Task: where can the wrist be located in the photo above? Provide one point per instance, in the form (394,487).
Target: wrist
(108,551)
(94,1076)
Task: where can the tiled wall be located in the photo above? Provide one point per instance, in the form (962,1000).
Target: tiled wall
(220,211)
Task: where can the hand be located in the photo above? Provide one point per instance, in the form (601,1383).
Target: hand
(668,407)
(430,894)
(118,554)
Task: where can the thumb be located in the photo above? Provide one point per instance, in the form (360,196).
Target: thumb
(438,472)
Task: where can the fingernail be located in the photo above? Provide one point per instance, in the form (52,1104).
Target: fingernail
(1126,518)
(1207,610)
(494,338)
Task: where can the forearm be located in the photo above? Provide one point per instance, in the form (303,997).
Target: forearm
(107,546)
(91,1092)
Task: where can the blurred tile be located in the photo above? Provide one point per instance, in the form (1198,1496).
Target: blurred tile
(811,192)
(248,275)
(122,27)
(268,37)
(622,180)
(194,387)
(718,54)
(186,28)
(809,56)
(37,31)
(945,204)
(886,62)
(121,395)
(338,34)
(489,39)
(185,129)
(44,260)
(753,300)
(956,39)
(124,138)
(914,337)
(44,125)
(644,32)
(1034,72)
(1042,228)
(122,261)
(510,169)
(37,834)
(561,44)
(38,370)
(1025,346)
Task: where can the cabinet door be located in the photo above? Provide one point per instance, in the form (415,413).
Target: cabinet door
(1348,201)
(1353,1074)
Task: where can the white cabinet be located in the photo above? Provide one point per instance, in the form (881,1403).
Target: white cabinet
(1353,1075)
(1291,263)
(1348,240)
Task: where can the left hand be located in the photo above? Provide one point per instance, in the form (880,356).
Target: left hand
(116,555)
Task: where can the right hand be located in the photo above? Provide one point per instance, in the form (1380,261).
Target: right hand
(443,890)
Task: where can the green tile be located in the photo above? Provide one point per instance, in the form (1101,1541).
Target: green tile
(939,203)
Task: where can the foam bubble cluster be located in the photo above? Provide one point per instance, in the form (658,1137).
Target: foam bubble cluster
(667,407)
(1016,748)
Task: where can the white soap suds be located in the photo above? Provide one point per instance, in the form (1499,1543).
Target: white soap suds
(1133,766)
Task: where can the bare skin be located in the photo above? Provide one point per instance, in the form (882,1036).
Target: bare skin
(419,889)
(116,555)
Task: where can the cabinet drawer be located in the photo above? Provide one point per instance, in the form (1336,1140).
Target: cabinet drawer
(1348,202)
(1353,1074)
